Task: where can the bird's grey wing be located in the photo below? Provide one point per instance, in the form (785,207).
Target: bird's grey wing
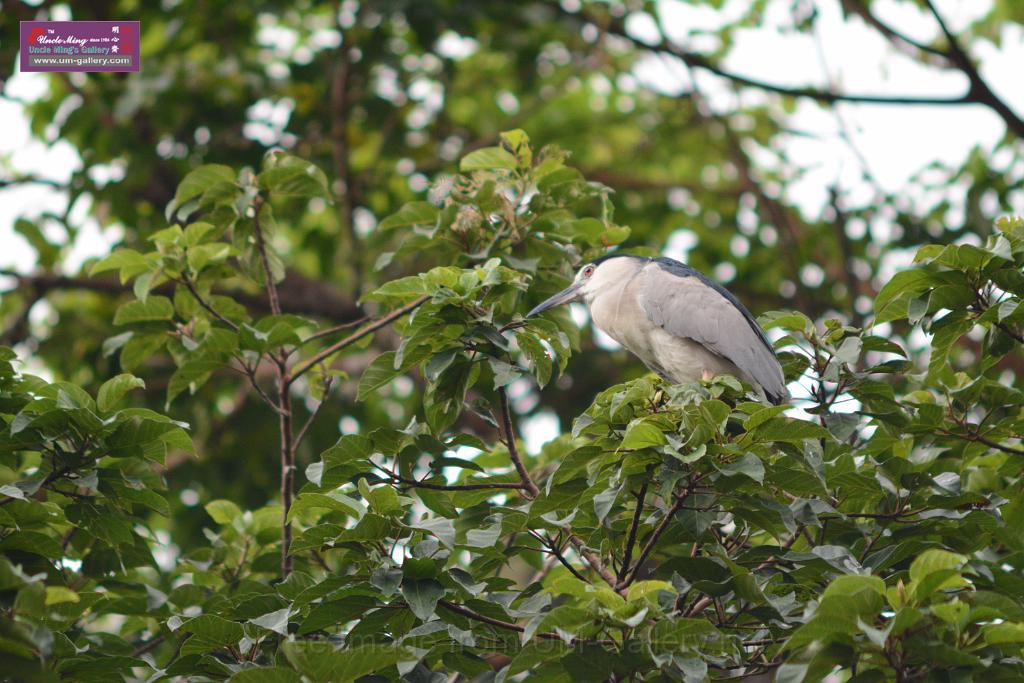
(685,304)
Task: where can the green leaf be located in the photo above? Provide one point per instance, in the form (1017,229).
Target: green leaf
(488,158)
(853,584)
(411,214)
(347,449)
(422,596)
(891,302)
(382,499)
(642,433)
(748,465)
(379,373)
(128,261)
(1005,633)
(114,389)
(222,511)
(276,621)
(504,373)
(539,357)
(518,142)
(192,375)
(783,429)
(59,594)
(211,632)
(140,347)
(322,663)
(204,254)
(268,674)
(209,178)
(935,560)
(290,176)
(153,308)
(440,527)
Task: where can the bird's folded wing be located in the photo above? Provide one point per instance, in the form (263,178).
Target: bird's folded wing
(686,305)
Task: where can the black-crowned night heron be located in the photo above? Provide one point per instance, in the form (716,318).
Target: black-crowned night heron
(678,322)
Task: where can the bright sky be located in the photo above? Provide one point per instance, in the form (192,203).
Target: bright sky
(895,142)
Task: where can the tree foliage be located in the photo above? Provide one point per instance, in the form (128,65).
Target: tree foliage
(678,533)
(280,432)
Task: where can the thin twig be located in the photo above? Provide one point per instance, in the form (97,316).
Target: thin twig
(332,330)
(284,400)
(653,540)
(483,618)
(261,247)
(637,516)
(414,483)
(510,442)
(187,281)
(508,434)
(555,551)
(860,9)
(287,468)
(250,372)
(316,411)
(353,338)
(698,61)
(594,560)
(979,91)
(149,645)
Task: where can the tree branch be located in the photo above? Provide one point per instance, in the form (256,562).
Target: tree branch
(698,61)
(858,8)
(31,180)
(979,91)
(983,440)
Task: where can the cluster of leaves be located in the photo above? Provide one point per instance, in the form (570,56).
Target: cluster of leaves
(677,533)
(228,243)
(75,521)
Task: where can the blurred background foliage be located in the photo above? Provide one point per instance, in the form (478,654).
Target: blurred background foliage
(386,96)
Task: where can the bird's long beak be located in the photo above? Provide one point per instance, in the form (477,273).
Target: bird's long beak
(570,293)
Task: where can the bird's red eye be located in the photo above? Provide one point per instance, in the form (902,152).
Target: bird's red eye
(588,271)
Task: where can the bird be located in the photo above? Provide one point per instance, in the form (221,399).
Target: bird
(684,326)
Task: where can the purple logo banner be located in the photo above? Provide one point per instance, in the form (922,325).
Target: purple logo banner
(79,46)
